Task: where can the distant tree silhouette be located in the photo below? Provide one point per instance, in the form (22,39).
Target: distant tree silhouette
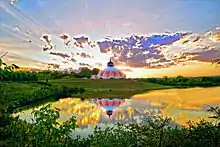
(95,71)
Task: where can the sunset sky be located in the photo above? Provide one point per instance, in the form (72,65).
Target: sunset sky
(144,38)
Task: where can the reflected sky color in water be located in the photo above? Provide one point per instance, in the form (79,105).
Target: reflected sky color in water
(179,104)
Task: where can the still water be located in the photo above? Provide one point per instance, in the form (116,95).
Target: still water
(181,105)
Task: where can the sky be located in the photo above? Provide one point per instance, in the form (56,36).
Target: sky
(144,38)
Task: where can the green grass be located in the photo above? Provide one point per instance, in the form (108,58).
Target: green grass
(100,88)
(14,95)
(17,96)
(21,87)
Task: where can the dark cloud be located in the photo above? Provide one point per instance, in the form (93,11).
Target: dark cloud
(55,66)
(73,60)
(196,39)
(105,46)
(46,38)
(135,50)
(216,61)
(140,42)
(207,56)
(155,51)
(49,45)
(65,62)
(84,55)
(63,55)
(65,38)
(84,64)
(81,40)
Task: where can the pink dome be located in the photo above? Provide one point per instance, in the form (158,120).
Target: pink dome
(109,104)
(111,72)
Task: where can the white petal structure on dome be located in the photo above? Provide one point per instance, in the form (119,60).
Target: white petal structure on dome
(111,72)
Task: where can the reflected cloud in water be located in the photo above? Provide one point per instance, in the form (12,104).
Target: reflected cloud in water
(181,105)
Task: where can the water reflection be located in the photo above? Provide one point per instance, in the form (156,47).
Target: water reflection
(179,104)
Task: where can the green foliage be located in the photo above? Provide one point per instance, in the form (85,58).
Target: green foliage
(7,74)
(183,82)
(95,71)
(84,73)
(216,111)
(15,95)
(45,130)
(155,132)
(120,88)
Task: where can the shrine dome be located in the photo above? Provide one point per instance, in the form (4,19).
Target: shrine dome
(111,72)
(109,105)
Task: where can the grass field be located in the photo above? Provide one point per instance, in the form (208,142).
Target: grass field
(101,88)
(15,95)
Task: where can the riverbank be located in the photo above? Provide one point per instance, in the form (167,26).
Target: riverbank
(15,95)
(112,88)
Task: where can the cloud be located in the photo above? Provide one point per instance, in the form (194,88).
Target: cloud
(161,51)
(66,39)
(54,66)
(73,60)
(138,51)
(47,39)
(207,56)
(140,42)
(63,55)
(216,37)
(84,55)
(85,65)
(81,40)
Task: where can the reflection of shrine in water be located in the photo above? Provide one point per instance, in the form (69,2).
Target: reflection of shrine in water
(102,110)
(179,104)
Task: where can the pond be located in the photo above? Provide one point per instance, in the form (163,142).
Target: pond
(181,105)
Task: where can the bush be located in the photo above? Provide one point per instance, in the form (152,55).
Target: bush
(155,132)
(12,98)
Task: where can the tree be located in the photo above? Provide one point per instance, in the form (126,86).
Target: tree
(85,72)
(95,71)
(181,79)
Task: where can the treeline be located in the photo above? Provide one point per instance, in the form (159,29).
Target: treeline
(7,74)
(83,73)
(181,81)
(154,132)
(18,76)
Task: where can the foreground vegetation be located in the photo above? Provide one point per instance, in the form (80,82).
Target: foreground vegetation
(155,132)
(20,89)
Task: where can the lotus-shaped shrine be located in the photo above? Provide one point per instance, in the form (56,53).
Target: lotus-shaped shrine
(110,72)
